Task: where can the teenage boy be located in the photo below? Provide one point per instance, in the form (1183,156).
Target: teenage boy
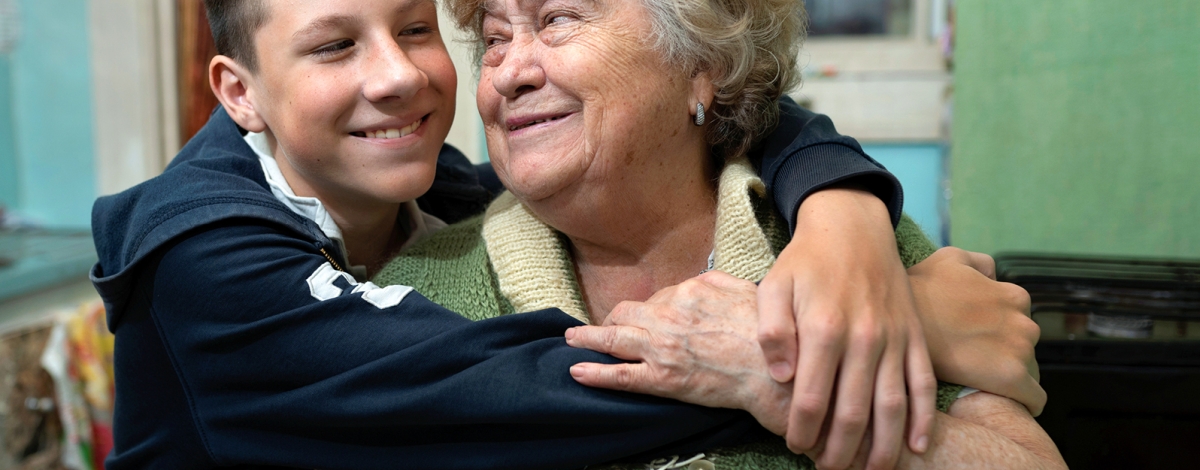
(234,281)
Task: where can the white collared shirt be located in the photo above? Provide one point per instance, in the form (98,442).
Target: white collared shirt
(422,224)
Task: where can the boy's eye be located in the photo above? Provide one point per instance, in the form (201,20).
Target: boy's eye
(334,48)
(419,30)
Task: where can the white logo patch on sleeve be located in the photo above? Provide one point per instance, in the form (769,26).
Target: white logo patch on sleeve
(322,286)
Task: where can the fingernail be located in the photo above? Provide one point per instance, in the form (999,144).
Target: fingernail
(922,444)
(779,371)
(570,334)
(577,371)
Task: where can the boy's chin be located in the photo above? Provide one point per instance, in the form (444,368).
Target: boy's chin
(407,188)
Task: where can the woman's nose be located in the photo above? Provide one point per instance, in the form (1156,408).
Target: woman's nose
(520,71)
(392,74)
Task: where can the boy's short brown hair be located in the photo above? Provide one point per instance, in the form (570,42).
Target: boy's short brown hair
(233,24)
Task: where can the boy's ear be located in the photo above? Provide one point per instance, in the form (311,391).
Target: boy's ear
(230,82)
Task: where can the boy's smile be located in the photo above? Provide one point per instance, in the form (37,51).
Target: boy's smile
(356,96)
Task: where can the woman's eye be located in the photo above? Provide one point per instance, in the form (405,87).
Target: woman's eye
(492,41)
(334,48)
(557,18)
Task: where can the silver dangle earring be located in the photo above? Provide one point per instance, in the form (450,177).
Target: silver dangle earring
(699,114)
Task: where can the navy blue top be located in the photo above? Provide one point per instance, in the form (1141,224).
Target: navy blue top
(228,353)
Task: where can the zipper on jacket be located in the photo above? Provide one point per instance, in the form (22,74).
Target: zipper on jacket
(331,261)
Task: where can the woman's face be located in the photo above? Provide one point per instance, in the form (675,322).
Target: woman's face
(570,92)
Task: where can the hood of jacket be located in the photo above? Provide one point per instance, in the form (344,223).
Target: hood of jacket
(217,177)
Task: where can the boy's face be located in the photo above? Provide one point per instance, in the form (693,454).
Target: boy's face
(358,96)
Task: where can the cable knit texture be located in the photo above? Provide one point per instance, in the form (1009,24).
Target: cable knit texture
(530,259)
(510,261)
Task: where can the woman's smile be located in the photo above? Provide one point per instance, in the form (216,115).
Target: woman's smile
(535,124)
(571,93)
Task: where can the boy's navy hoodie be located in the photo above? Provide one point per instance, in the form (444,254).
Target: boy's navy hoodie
(238,346)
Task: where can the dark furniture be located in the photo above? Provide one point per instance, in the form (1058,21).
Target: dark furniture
(1119,357)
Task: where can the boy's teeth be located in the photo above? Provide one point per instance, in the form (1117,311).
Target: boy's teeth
(394,133)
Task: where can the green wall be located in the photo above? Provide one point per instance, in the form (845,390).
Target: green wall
(1077,127)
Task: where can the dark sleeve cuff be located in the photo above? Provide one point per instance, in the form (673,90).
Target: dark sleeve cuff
(820,166)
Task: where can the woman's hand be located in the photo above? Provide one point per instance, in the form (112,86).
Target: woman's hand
(839,299)
(979,331)
(695,342)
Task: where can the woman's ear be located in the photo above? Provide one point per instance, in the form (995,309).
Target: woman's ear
(231,82)
(703,92)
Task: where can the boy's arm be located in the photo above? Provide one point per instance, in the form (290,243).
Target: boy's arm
(288,363)
(839,285)
(719,366)
(805,154)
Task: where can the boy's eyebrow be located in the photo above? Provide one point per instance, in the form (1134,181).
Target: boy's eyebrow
(323,23)
(336,21)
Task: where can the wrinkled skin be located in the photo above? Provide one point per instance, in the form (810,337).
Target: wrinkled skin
(583,117)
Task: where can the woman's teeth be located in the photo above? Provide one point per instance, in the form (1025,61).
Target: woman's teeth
(390,133)
(539,121)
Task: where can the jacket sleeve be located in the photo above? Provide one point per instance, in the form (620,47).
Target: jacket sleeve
(287,362)
(805,154)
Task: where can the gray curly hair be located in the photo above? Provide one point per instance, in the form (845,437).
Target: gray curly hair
(749,49)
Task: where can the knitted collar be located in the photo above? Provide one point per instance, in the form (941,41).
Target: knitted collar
(535,271)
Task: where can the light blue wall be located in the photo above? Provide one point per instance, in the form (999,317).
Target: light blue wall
(52,112)
(8,149)
(919,168)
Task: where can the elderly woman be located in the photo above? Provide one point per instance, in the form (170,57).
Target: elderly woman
(622,129)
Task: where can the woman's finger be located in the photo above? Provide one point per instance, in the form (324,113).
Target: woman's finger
(777,327)
(855,392)
(891,410)
(922,391)
(725,281)
(634,378)
(622,342)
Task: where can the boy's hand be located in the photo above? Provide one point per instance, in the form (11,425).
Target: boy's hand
(979,331)
(695,342)
(838,299)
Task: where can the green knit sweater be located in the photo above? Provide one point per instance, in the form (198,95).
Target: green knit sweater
(508,261)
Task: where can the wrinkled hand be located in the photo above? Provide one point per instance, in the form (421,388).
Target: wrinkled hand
(695,342)
(838,299)
(979,331)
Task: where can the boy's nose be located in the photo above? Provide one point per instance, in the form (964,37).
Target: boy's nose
(392,74)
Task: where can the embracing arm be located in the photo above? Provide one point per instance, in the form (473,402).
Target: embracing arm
(805,154)
(288,362)
(695,342)
(980,329)
(836,311)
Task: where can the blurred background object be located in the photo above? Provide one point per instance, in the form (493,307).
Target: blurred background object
(56,381)
(859,17)
(10,25)
(1119,356)
(878,68)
